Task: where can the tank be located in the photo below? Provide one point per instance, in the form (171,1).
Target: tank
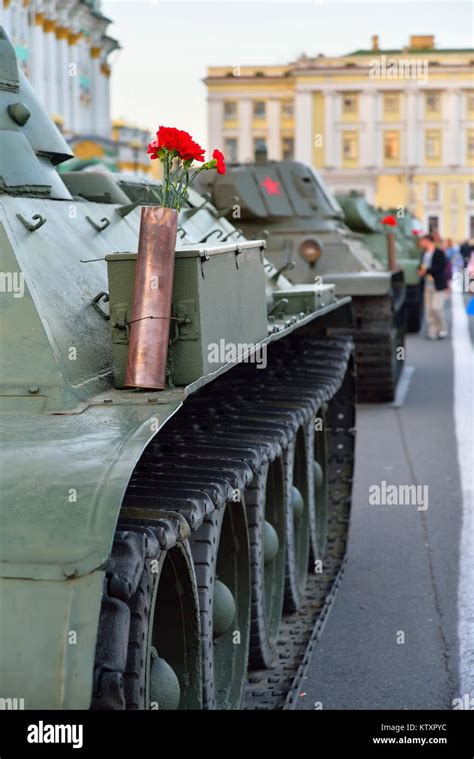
(366,220)
(307,239)
(156,540)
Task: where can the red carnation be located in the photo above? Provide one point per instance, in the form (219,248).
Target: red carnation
(180,143)
(220,161)
(390,221)
(416,232)
(152,149)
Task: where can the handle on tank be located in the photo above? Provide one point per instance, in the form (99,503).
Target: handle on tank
(213,232)
(40,220)
(104,223)
(104,298)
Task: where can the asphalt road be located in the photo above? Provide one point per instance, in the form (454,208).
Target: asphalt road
(402,572)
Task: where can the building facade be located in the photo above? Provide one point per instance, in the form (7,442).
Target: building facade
(396,125)
(65,51)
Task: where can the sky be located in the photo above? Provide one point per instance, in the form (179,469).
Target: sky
(168,44)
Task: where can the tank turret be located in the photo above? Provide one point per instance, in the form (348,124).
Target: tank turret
(308,240)
(366,220)
(31,143)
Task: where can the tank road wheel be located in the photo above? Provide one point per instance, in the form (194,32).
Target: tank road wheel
(148,648)
(265,503)
(320,485)
(220,549)
(299,500)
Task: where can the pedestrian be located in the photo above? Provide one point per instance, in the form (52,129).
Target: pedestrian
(466,250)
(432,270)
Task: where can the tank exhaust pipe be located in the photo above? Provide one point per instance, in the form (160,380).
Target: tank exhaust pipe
(151,310)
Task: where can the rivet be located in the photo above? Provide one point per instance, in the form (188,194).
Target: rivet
(33,389)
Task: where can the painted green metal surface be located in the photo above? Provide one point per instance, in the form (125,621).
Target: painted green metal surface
(289,202)
(48,632)
(366,220)
(228,280)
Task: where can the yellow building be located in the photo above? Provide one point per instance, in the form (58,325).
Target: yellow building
(396,125)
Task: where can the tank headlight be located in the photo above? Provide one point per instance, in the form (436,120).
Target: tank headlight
(310,250)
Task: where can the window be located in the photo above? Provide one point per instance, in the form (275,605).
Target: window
(287,109)
(288,148)
(433,224)
(470,101)
(391,145)
(391,102)
(432,192)
(470,144)
(230,111)
(433,144)
(349,103)
(259,109)
(471,190)
(349,146)
(259,144)
(231,149)
(432,102)
(471,227)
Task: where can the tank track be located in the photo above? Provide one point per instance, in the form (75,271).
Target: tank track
(414,308)
(204,458)
(379,334)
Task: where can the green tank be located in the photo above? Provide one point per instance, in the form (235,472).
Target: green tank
(153,540)
(287,202)
(366,220)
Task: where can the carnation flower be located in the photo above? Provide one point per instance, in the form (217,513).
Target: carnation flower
(177,150)
(220,161)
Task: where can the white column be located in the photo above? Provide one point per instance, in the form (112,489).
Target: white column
(106,125)
(74,85)
(6,17)
(274,132)
(215,115)
(63,74)
(378,131)
(304,136)
(412,156)
(453,140)
(368,119)
(246,151)
(96,93)
(51,67)
(37,61)
(332,148)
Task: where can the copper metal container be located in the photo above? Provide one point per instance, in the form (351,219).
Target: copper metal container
(151,311)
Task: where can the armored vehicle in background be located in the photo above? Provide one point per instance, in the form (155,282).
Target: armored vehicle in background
(151,540)
(286,202)
(363,218)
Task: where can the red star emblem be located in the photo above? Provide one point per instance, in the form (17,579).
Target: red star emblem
(272,187)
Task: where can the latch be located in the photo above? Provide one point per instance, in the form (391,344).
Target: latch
(186,315)
(120,324)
